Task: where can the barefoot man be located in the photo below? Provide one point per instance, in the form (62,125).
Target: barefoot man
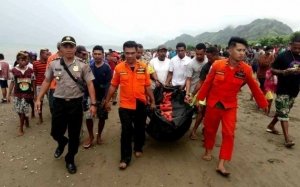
(220,88)
(39,69)
(135,84)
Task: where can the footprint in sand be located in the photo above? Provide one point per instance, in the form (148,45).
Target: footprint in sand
(274,160)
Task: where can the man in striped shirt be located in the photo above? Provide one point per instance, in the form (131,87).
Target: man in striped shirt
(39,69)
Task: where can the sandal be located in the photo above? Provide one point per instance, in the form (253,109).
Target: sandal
(274,131)
(224,174)
(88,143)
(206,158)
(193,137)
(289,144)
(100,142)
(122,165)
(138,154)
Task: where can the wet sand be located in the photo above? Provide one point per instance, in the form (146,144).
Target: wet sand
(259,158)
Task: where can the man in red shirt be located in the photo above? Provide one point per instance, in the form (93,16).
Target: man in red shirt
(220,89)
(39,69)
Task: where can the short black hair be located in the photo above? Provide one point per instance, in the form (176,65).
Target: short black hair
(1,56)
(130,44)
(98,47)
(235,40)
(295,38)
(181,44)
(212,50)
(269,48)
(106,54)
(140,46)
(226,54)
(201,46)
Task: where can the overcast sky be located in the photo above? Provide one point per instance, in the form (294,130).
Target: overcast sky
(112,22)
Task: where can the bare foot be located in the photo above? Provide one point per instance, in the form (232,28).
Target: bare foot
(138,154)
(122,165)
(40,121)
(27,125)
(20,133)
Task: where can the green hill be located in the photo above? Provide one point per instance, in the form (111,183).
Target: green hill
(252,32)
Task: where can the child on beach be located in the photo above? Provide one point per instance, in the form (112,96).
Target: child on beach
(22,82)
(270,88)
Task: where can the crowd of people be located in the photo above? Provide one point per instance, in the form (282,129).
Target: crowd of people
(77,81)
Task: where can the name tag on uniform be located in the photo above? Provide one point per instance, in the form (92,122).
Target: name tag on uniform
(58,69)
(140,70)
(123,73)
(220,72)
(240,75)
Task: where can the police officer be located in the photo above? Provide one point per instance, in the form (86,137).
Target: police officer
(67,108)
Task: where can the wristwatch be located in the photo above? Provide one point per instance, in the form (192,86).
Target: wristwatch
(94,104)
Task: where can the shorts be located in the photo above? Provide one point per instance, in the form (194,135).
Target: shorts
(254,68)
(100,111)
(21,106)
(283,104)
(269,95)
(200,102)
(3,84)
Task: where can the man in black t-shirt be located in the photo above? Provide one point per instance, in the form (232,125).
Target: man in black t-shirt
(287,67)
(212,55)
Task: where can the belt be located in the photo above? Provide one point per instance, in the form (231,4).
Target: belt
(69,99)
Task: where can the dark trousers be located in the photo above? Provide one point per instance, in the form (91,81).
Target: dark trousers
(50,99)
(67,114)
(133,124)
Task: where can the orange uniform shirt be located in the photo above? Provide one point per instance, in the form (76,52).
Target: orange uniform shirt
(223,84)
(52,57)
(132,83)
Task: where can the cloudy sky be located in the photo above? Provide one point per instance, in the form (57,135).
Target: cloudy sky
(112,22)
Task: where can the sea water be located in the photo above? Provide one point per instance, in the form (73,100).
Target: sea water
(10,51)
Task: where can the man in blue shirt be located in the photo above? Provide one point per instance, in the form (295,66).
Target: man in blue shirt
(103,75)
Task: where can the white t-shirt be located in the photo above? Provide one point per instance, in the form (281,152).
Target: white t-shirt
(161,68)
(178,67)
(193,70)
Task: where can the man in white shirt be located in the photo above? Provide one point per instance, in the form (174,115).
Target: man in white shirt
(161,65)
(178,65)
(194,68)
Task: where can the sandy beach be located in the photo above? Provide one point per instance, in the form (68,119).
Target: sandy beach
(259,158)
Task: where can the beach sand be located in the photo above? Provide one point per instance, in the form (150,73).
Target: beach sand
(259,158)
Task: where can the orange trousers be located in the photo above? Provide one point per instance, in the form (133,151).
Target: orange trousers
(212,119)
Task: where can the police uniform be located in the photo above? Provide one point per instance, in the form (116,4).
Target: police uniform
(67,108)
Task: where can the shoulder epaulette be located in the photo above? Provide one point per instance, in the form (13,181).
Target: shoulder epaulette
(56,59)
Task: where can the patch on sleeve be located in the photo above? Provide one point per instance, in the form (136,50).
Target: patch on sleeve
(88,68)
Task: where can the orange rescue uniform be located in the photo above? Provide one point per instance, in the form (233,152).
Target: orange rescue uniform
(221,87)
(132,83)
